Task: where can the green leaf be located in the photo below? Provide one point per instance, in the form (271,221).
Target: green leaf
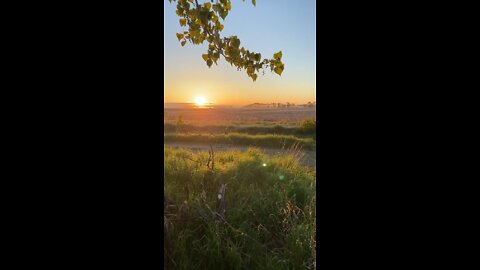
(194,33)
(279,69)
(235,42)
(278,55)
(220,27)
(257,57)
(209,62)
(254,2)
(208,5)
(223,13)
(254,77)
(205,57)
(183,22)
(215,57)
(228,6)
(179,36)
(183,42)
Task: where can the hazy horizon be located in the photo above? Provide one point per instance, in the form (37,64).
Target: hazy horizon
(233,105)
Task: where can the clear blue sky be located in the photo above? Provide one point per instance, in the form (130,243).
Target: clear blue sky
(270,26)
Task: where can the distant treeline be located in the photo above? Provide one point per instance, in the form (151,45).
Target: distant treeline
(281,105)
(306,129)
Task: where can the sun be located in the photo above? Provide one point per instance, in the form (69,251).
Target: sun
(200,101)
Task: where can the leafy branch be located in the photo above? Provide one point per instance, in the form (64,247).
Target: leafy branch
(203,24)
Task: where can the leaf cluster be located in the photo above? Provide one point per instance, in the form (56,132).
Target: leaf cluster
(204,22)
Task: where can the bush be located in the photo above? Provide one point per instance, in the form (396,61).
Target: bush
(308,126)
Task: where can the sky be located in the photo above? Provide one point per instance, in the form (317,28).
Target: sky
(268,27)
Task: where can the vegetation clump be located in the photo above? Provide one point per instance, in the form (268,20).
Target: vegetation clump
(308,126)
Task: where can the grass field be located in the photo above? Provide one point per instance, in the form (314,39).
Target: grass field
(251,130)
(265,218)
(290,117)
(266,140)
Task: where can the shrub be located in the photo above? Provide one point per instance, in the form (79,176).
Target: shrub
(308,126)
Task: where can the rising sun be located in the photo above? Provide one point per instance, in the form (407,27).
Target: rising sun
(200,101)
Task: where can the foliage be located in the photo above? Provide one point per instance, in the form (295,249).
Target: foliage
(270,211)
(203,24)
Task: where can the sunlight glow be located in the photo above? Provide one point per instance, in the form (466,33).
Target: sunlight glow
(200,101)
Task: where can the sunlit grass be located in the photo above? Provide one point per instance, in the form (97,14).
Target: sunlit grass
(297,131)
(263,140)
(270,211)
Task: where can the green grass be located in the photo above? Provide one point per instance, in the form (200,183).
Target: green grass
(298,131)
(267,140)
(270,211)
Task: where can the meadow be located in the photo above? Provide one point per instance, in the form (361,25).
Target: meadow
(265,140)
(244,129)
(276,128)
(227,208)
(238,210)
(241,117)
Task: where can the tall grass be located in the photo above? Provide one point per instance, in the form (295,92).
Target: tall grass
(268,140)
(299,131)
(270,211)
